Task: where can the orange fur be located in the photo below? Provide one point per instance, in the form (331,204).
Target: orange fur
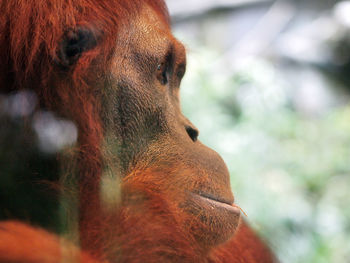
(146,224)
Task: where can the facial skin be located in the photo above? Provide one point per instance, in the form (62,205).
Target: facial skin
(142,113)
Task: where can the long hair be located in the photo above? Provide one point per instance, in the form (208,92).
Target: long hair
(31,32)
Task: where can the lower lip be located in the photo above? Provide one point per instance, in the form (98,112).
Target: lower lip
(218,221)
(213,204)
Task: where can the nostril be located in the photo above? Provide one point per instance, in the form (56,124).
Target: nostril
(192,132)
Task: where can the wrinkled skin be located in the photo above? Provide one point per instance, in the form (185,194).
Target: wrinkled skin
(146,77)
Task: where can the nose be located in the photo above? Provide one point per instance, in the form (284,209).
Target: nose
(192,132)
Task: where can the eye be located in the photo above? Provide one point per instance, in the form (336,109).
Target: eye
(162,73)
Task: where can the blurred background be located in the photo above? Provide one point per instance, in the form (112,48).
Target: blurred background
(268,86)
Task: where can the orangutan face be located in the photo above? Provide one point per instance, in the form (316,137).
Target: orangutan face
(153,134)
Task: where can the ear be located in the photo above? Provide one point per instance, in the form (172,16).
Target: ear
(74,44)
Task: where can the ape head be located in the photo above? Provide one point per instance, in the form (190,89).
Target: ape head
(157,144)
(114,68)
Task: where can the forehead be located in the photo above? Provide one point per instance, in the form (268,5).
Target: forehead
(149,33)
(150,30)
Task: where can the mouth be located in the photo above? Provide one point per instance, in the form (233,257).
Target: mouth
(217,203)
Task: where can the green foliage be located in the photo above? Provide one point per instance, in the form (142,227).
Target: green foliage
(289,172)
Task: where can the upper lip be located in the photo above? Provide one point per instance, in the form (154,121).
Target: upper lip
(215,198)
